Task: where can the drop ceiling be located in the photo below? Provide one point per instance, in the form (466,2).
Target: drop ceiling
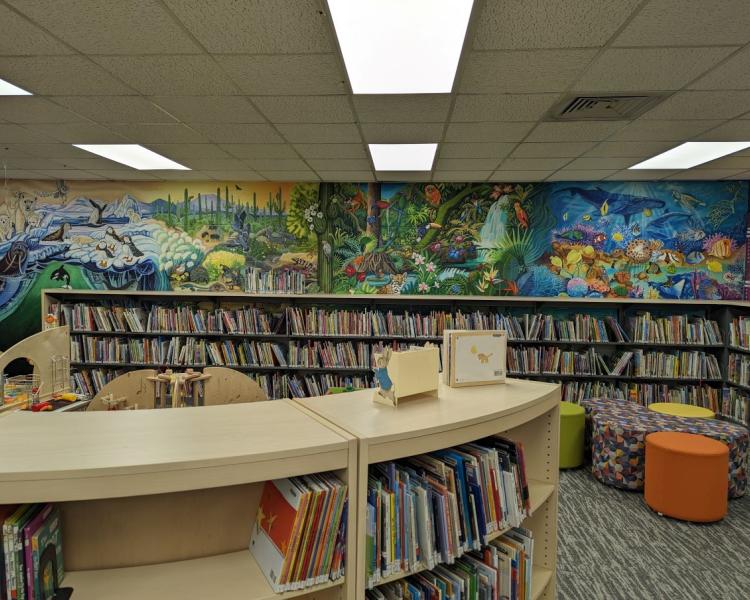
(256,90)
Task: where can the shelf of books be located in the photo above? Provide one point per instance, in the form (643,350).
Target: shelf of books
(457,489)
(206,502)
(300,346)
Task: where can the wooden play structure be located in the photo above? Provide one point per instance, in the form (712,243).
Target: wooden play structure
(147,388)
(49,353)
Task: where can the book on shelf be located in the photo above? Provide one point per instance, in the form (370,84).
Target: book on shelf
(739,332)
(738,369)
(689,364)
(674,329)
(30,531)
(434,508)
(503,569)
(735,404)
(298,538)
(276,281)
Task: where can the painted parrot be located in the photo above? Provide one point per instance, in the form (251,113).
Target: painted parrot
(432,194)
(523,218)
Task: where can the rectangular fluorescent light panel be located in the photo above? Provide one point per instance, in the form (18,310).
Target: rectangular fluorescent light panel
(403,157)
(8,89)
(401,46)
(690,154)
(132,155)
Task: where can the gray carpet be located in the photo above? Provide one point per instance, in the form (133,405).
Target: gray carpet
(612,547)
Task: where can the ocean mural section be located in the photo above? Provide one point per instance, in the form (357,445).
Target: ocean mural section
(674,240)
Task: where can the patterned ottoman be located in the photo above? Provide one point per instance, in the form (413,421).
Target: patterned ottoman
(617,432)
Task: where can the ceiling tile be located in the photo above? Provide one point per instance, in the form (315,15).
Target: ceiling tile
(475,150)
(305,109)
(172,175)
(702,105)
(285,74)
(228,26)
(125,175)
(399,176)
(545,24)
(79,133)
(402,133)
(311,133)
(643,69)
(290,175)
(487,132)
(116,109)
(741,176)
(582,175)
(331,150)
(215,164)
(238,133)
(687,23)
(510,176)
(347,176)
(133,27)
(241,175)
(155,133)
(501,107)
(533,164)
(21,37)
(728,162)
(582,131)
(422,108)
(260,150)
(185,151)
(61,75)
(343,164)
(737,130)
(52,150)
(16,133)
(522,71)
(13,151)
(463,176)
(551,149)
(732,74)
(640,175)
(209,109)
(629,149)
(467,164)
(25,174)
(91,163)
(589,163)
(645,130)
(31,109)
(28,163)
(169,75)
(704,174)
(277,164)
(71,174)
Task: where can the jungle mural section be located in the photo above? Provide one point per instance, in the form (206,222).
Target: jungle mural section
(676,240)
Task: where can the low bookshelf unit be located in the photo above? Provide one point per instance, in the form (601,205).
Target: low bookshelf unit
(695,352)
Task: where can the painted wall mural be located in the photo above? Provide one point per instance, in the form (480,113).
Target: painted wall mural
(677,240)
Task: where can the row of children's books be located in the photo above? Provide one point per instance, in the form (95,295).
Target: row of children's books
(693,365)
(501,570)
(299,535)
(278,385)
(738,369)
(277,281)
(31,560)
(739,332)
(736,405)
(553,360)
(433,508)
(720,401)
(674,329)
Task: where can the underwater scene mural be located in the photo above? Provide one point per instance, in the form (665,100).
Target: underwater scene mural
(675,240)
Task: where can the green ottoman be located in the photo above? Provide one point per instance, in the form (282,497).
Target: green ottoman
(572,425)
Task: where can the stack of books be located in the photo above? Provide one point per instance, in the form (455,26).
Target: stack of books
(29,533)
(434,508)
(299,535)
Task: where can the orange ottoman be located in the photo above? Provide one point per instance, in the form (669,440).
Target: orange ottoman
(686,476)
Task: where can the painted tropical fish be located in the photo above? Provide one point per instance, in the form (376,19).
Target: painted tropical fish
(624,205)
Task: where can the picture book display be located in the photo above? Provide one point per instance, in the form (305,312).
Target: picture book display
(405,373)
(474,357)
(299,535)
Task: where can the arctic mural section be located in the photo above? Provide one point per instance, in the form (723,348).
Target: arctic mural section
(676,240)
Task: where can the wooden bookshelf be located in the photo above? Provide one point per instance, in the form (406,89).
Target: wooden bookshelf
(707,391)
(525,411)
(160,503)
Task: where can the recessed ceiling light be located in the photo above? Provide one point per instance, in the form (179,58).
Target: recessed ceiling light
(690,154)
(133,155)
(414,46)
(8,89)
(403,157)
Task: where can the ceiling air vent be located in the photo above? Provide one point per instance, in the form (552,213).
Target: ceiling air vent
(603,108)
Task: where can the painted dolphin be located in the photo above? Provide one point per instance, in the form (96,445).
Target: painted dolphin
(620,204)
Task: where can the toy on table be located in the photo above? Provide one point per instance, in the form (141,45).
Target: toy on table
(384,388)
(406,373)
(180,383)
